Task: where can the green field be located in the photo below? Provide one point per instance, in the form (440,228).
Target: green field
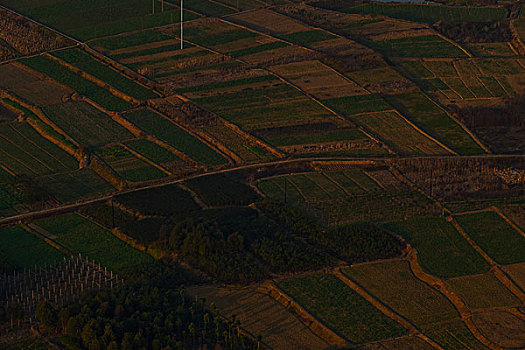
(174,136)
(130,40)
(80,235)
(429,117)
(347,106)
(497,238)
(90,65)
(158,155)
(85,87)
(453,335)
(341,309)
(75,185)
(128,166)
(442,251)
(220,190)
(86,124)
(20,249)
(40,157)
(419,46)
(86,20)
(308,37)
(208,8)
(432,13)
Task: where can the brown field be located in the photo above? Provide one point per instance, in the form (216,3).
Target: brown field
(260,314)
(30,87)
(270,21)
(502,328)
(318,80)
(281,55)
(517,273)
(404,343)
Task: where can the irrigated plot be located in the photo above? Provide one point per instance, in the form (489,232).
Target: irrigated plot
(80,235)
(21,250)
(86,124)
(495,236)
(482,291)
(442,251)
(453,335)
(396,286)
(418,46)
(341,309)
(128,166)
(170,133)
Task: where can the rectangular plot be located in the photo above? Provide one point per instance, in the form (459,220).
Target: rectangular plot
(495,236)
(128,166)
(459,87)
(429,117)
(86,124)
(453,335)
(20,249)
(442,251)
(90,65)
(441,68)
(159,155)
(326,185)
(395,285)
(398,134)
(175,136)
(482,291)
(309,188)
(275,188)
(476,86)
(417,69)
(346,106)
(341,309)
(363,180)
(493,86)
(80,235)
(346,183)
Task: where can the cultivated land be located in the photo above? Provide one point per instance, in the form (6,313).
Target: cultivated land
(297,176)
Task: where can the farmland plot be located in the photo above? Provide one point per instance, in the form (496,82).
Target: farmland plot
(25,152)
(86,124)
(417,46)
(82,236)
(401,137)
(496,237)
(19,250)
(442,251)
(6,115)
(453,335)
(501,327)
(517,273)
(170,133)
(86,21)
(30,87)
(341,309)
(85,87)
(424,113)
(160,155)
(431,13)
(220,190)
(482,291)
(128,166)
(260,314)
(348,196)
(90,65)
(395,285)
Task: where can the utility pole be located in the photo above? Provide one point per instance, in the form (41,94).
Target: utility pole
(181,26)
(153,6)
(285,185)
(162,6)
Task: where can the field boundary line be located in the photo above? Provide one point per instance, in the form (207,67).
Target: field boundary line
(253,138)
(425,134)
(453,43)
(336,183)
(457,121)
(194,195)
(144,158)
(474,245)
(49,241)
(100,83)
(507,220)
(378,304)
(508,282)
(310,321)
(463,310)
